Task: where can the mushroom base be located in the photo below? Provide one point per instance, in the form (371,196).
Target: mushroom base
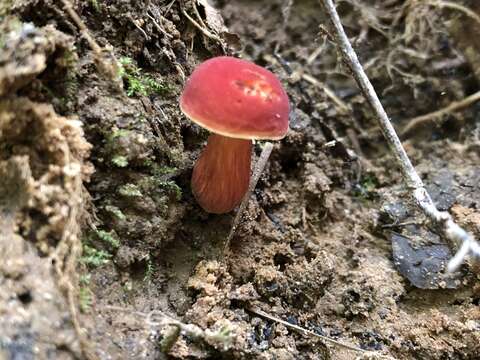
(221,175)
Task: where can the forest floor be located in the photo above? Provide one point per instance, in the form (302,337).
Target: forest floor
(104,252)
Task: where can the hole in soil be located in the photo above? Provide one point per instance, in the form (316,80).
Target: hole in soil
(290,163)
(139,269)
(189,137)
(281,261)
(25,297)
(310,254)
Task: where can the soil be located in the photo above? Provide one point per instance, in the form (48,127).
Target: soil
(105,253)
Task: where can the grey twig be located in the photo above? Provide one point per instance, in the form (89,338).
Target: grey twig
(453,232)
(259,166)
(302,330)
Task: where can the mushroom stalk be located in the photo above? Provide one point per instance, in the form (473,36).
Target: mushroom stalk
(221,175)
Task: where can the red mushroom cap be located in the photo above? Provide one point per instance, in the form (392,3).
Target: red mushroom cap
(236,98)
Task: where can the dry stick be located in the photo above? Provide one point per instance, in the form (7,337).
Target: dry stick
(303,330)
(451,230)
(83,29)
(418,121)
(106,66)
(199,27)
(259,167)
(329,92)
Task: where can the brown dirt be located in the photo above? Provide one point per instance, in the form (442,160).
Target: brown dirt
(315,248)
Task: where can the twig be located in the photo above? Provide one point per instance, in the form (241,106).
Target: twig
(135,23)
(197,14)
(329,92)
(259,167)
(451,230)
(104,58)
(418,121)
(83,28)
(202,29)
(159,28)
(301,330)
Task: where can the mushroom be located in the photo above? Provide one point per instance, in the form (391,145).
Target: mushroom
(238,102)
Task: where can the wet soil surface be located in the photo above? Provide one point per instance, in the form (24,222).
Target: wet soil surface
(330,240)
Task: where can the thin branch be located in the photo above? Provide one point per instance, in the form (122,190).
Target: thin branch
(83,28)
(419,121)
(304,331)
(159,28)
(104,58)
(329,92)
(451,230)
(259,167)
(199,27)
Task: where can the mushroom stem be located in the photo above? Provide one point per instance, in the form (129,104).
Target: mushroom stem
(222,173)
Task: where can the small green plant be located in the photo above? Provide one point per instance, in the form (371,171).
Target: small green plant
(109,238)
(365,188)
(84,279)
(171,186)
(94,257)
(85,299)
(120,161)
(153,183)
(95,5)
(158,171)
(118,133)
(150,270)
(115,211)
(137,82)
(129,190)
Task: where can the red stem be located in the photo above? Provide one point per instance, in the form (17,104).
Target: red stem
(222,173)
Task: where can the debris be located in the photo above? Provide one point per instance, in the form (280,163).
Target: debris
(424,267)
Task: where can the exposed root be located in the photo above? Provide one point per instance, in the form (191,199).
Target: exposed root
(105,60)
(203,29)
(419,121)
(453,6)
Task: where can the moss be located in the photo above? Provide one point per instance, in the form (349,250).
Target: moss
(85,299)
(154,183)
(365,189)
(118,156)
(94,257)
(115,211)
(172,187)
(158,171)
(109,238)
(120,161)
(118,133)
(150,270)
(137,83)
(69,60)
(85,279)
(96,5)
(129,190)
